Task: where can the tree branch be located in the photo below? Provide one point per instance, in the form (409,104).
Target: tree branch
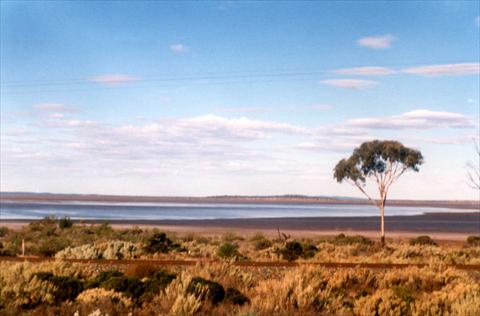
(355,183)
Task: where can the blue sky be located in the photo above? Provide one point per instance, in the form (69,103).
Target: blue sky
(207,98)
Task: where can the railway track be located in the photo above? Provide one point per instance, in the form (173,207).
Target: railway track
(246,264)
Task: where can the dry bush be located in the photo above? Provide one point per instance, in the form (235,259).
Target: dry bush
(116,249)
(101,297)
(20,288)
(382,302)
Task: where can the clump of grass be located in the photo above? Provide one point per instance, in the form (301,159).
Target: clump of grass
(50,246)
(235,297)
(342,239)
(260,242)
(473,241)
(6,252)
(66,288)
(294,250)
(228,250)
(206,290)
(423,240)
(160,243)
(132,286)
(3,231)
(65,223)
(231,237)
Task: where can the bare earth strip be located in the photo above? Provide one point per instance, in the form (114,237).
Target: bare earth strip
(246,264)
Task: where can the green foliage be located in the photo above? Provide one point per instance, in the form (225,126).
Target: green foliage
(157,283)
(374,157)
(206,290)
(65,222)
(406,294)
(231,237)
(50,246)
(132,286)
(423,240)
(66,288)
(292,251)
(5,251)
(228,250)
(159,242)
(235,297)
(341,239)
(3,231)
(473,241)
(260,242)
(309,251)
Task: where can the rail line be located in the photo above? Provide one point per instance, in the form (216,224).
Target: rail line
(246,264)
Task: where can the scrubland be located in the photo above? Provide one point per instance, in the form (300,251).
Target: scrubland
(215,286)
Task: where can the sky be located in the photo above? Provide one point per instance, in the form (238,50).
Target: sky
(237,98)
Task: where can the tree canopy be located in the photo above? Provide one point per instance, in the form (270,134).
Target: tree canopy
(385,161)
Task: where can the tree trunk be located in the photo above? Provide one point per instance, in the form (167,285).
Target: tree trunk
(382,222)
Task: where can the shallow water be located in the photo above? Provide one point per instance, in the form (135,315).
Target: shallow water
(160,211)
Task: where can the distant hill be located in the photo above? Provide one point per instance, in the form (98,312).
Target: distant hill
(28,197)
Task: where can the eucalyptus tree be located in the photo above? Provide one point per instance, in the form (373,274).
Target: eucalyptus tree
(382,161)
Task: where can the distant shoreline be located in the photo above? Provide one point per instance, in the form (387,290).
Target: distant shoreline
(6,197)
(448,226)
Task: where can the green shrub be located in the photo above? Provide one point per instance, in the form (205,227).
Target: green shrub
(50,246)
(228,250)
(6,252)
(473,241)
(235,297)
(118,250)
(157,282)
(159,242)
(406,294)
(67,288)
(231,237)
(132,286)
(3,231)
(341,239)
(206,290)
(292,251)
(309,251)
(65,222)
(117,281)
(423,240)
(260,242)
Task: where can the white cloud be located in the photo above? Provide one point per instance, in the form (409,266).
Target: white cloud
(477,20)
(350,83)
(418,119)
(178,48)
(241,127)
(251,109)
(56,115)
(53,107)
(113,79)
(365,71)
(443,140)
(377,42)
(445,69)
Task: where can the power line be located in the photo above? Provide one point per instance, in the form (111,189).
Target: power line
(233,77)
